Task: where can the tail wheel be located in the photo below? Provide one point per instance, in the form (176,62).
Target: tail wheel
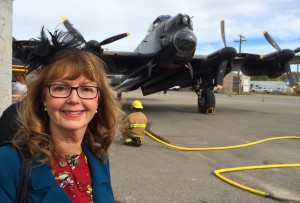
(206,101)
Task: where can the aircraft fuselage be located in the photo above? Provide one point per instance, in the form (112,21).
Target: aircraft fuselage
(171,40)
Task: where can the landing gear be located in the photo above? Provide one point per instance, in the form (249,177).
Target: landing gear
(206,102)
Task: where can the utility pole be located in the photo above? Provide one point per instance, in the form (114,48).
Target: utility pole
(241,39)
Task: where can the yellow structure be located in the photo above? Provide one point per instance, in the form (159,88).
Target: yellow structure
(19,69)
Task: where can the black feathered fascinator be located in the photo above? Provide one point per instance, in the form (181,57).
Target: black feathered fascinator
(45,48)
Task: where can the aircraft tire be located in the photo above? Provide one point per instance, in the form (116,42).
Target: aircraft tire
(206,101)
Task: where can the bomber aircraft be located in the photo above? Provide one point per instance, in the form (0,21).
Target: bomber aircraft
(166,58)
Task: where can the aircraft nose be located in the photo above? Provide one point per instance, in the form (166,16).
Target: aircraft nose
(185,41)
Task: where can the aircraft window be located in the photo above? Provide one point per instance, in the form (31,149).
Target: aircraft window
(179,20)
(163,18)
(160,19)
(157,21)
(150,29)
(185,20)
(168,24)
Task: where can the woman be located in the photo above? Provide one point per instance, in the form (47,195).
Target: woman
(67,121)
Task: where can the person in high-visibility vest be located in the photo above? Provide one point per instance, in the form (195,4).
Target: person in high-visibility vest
(133,128)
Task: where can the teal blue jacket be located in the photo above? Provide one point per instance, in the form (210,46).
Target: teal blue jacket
(43,186)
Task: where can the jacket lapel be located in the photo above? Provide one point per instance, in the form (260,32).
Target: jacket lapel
(102,191)
(44,185)
(99,169)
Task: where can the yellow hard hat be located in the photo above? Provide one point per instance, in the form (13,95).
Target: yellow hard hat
(137,104)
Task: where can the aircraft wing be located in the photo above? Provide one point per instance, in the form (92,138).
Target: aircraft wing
(131,70)
(295,60)
(166,58)
(245,58)
(272,65)
(123,62)
(20,49)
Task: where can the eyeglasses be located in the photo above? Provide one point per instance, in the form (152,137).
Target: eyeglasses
(64,91)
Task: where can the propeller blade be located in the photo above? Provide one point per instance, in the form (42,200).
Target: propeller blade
(297,50)
(271,41)
(223,31)
(221,73)
(92,44)
(67,24)
(114,38)
(77,36)
(289,74)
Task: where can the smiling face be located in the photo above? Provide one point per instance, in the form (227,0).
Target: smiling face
(71,114)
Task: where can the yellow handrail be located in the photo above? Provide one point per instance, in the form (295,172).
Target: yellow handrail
(19,69)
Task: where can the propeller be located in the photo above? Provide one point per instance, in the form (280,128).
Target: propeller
(223,31)
(114,38)
(297,50)
(223,64)
(286,63)
(271,41)
(77,36)
(92,44)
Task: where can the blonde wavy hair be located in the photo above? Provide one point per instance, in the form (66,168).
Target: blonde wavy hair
(34,121)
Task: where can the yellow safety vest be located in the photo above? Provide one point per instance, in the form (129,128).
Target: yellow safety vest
(135,125)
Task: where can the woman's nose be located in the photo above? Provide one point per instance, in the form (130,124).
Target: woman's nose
(73,97)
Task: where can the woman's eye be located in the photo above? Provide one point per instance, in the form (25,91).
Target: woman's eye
(86,89)
(60,88)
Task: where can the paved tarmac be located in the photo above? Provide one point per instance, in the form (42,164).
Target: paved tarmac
(155,173)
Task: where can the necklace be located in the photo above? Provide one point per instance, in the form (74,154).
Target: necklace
(74,177)
(73,161)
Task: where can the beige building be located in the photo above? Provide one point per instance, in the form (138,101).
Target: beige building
(231,83)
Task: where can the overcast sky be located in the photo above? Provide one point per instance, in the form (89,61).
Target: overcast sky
(99,19)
